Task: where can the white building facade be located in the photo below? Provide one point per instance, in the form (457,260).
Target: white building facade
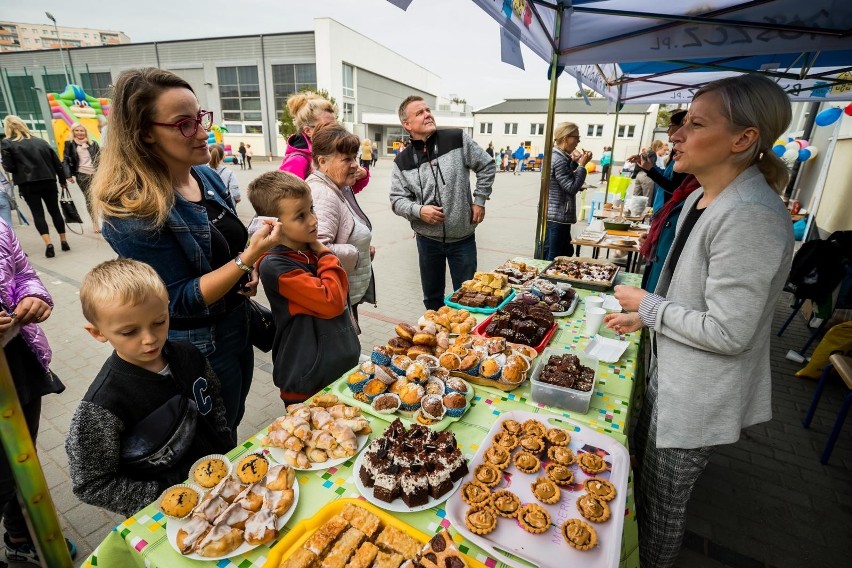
(523,121)
(23,36)
(244,80)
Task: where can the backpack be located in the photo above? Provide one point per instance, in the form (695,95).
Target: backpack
(819,266)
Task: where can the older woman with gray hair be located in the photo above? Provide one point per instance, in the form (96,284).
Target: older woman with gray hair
(343,226)
(711,311)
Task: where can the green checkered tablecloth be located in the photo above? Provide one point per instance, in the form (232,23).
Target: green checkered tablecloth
(141,540)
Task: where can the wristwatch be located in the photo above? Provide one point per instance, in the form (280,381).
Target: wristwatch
(243,266)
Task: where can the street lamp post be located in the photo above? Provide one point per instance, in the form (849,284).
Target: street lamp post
(59,39)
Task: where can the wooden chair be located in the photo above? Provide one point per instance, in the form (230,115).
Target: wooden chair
(843,365)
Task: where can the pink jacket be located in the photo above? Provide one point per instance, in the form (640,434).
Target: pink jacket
(298,161)
(18,280)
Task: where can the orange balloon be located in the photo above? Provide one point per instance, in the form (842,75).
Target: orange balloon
(591,167)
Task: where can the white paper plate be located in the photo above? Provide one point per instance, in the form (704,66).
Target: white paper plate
(278,455)
(174,525)
(397,505)
(606,349)
(610,304)
(549,548)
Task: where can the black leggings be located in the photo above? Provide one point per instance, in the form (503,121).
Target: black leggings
(36,192)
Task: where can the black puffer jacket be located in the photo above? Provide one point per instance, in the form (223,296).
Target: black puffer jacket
(73,161)
(566,179)
(30,160)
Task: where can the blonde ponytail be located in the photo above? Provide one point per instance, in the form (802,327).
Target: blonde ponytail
(774,170)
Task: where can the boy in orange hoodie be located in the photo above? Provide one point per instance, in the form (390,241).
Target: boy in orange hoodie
(315,340)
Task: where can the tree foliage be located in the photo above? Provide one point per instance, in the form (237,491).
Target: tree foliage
(589,93)
(664,116)
(287,128)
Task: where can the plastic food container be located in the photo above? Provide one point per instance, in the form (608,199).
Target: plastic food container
(561,397)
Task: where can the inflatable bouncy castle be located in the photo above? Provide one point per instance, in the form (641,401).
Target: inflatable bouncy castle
(74,105)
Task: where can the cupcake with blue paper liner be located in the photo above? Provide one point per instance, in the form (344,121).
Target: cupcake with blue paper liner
(356,381)
(455,384)
(417,373)
(368,368)
(435,386)
(455,403)
(410,394)
(381,355)
(490,368)
(373,388)
(470,365)
(399,364)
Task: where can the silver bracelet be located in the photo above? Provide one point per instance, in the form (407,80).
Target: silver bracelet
(243,266)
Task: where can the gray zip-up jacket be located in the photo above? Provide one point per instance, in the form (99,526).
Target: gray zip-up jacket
(437,172)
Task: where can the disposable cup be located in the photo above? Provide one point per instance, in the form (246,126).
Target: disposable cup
(594,318)
(593,301)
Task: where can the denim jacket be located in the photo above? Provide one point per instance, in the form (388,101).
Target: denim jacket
(179,251)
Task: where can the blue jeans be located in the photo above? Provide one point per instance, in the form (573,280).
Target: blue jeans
(557,242)
(228,348)
(434,257)
(5,208)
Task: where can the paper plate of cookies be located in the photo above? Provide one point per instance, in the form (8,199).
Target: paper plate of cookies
(541,487)
(246,507)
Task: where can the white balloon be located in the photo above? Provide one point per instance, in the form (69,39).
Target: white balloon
(814,151)
(793,146)
(790,155)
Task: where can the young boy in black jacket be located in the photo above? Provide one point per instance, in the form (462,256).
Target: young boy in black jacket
(315,338)
(154,408)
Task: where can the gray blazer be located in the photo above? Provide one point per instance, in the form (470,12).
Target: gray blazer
(711,318)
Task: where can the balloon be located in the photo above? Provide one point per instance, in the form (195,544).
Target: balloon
(793,146)
(804,155)
(828,116)
(590,167)
(813,150)
(779,150)
(790,155)
(804,143)
(779,142)
(848,109)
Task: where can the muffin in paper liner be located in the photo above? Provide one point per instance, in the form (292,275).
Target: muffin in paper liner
(203,483)
(385,375)
(435,386)
(432,407)
(430,361)
(490,367)
(368,368)
(454,411)
(386,398)
(198,490)
(399,364)
(380,355)
(356,381)
(374,387)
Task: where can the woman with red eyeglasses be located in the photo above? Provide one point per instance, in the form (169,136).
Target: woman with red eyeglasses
(162,205)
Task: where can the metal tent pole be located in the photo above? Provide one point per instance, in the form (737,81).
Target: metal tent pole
(544,191)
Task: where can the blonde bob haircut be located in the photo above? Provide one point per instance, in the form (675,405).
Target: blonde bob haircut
(563,130)
(132,180)
(305,107)
(123,282)
(16,129)
(755,101)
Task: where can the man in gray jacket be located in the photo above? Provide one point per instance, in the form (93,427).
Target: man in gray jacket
(430,186)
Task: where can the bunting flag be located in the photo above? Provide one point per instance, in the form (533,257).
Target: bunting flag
(510,49)
(401,4)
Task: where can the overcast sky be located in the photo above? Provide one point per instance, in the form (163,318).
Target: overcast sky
(452,38)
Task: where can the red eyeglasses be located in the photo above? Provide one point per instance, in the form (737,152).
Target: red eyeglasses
(189,126)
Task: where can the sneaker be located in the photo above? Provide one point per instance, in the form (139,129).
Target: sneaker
(26,551)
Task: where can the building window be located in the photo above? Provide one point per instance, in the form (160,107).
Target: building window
(254,129)
(510,128)
(234,128)
(626,131)
(289,79)
(348,112)
(594,130)
(97,85)
(239,93)
(348,80)
(24,96)
(485,127)
(54,83)
(537,129)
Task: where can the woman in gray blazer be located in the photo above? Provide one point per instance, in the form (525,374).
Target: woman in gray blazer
(711,311)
